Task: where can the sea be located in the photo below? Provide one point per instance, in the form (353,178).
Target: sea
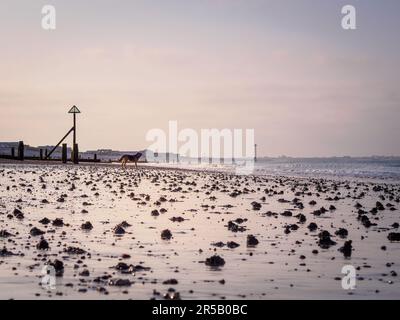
(370,168)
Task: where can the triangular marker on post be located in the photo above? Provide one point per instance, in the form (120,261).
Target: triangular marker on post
(74,109)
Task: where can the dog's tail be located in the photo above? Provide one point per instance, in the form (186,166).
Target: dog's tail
(120,160)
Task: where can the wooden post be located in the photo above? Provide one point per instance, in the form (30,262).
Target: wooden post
(75,154)
(74,136)
(64,153)
(13,152)
(167,155)
(46,152)
(21,150)
(41,154)
(95,157)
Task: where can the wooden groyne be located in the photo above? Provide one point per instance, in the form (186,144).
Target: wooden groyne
(18,153)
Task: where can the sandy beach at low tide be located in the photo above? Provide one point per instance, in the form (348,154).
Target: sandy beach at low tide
(170,234)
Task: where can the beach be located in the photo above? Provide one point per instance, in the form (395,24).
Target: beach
(165,233)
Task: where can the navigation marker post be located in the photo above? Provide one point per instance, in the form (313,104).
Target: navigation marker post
(75,152)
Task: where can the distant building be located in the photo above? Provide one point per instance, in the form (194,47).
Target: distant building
(108,155)
(5,147)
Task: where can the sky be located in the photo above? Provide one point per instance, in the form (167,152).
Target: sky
(286,69)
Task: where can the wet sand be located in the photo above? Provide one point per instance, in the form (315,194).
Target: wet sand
(170,234)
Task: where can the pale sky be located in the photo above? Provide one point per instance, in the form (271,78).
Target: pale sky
(284,68)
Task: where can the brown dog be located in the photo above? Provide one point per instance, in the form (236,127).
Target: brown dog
(128,158)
